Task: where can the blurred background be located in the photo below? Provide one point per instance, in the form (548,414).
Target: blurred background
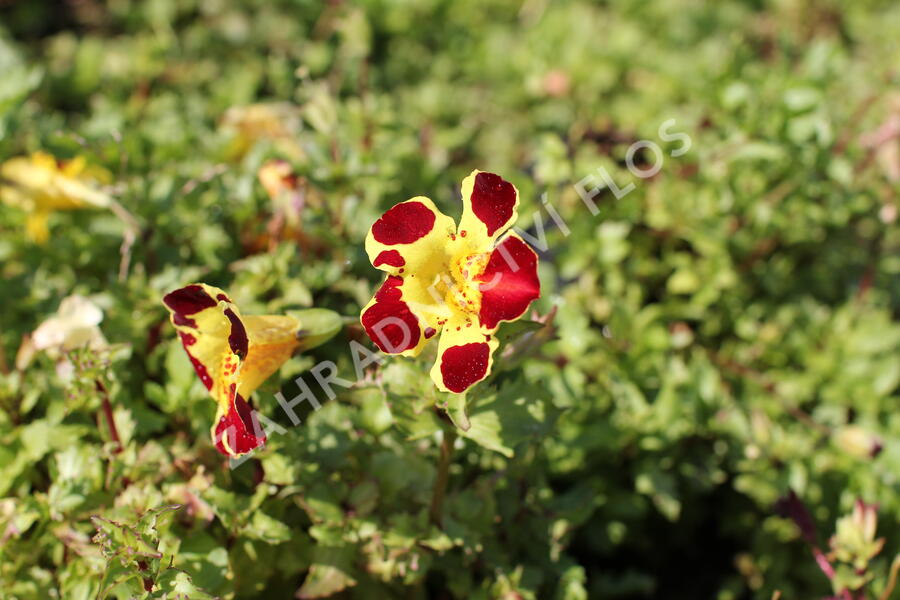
(719,337)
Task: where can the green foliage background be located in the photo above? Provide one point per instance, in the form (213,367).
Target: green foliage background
(715,328)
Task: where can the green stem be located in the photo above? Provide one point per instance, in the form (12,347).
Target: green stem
(440,483)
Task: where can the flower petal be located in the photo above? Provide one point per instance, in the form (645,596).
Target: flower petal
(465,356)
(42,182)
(74,325)
(233,355)
(237,431)
(273,339)
(489,208)
(36,226)
(403,315)
(204,329)
(411,237)
(215,339)
(509,282)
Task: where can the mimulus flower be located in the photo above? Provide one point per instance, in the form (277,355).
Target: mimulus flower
(459,282)
(41,184)
(277,122)
(232,355)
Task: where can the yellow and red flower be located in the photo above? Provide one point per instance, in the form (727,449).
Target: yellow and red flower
(461,282)
(41,184)
(232,355)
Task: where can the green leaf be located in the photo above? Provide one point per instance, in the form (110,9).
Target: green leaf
(174,584)
(502,420)
(456,410)
(265,528)
(510,331)
(331,572)
(317,326)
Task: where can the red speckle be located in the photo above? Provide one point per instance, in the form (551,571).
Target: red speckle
(403,224)
(458,328)
(389,257)
(243,432)
(493,200)
(187,301)
(389,322)
(462,366)
(429,332)
(187,339)
(453,236)
(463,233)
(469,324)
(506,294)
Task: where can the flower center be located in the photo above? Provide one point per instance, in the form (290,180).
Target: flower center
(463,292)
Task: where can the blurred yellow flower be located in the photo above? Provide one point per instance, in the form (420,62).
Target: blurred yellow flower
(276,122)
(41,184)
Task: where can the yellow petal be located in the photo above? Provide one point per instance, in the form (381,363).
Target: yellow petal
(404,314)
(36,227)
(213,336)
(273,339)
(232,355)
(465,355)
(411,237)
(49,186)
(489,208)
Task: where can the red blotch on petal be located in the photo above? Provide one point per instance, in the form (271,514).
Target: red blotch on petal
(237,339)
(462,366)
(188,340)
(429,332)
(187,301)
(200,368)
(243,433)
(389,257)
(493,200)
(509,282)
(389,322)
(403,224)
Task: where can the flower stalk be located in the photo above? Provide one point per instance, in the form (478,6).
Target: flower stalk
(436,511)
(108,413)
